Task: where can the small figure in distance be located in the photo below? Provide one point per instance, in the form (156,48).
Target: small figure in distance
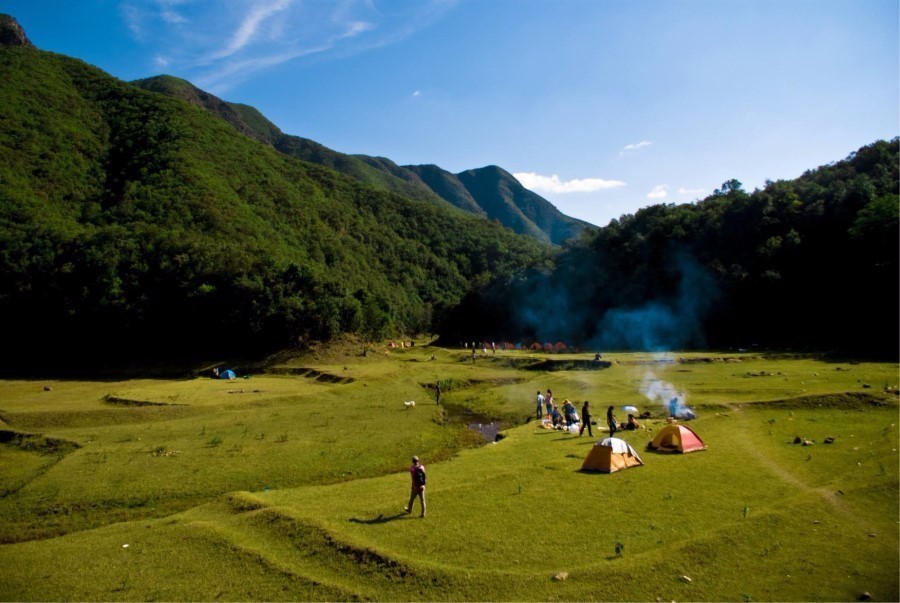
(417,476)
(631,425)
(586,419)
(611,421)
(540,406)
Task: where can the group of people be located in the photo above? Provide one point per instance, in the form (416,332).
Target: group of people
(629,425)
(566,417)
(563,416)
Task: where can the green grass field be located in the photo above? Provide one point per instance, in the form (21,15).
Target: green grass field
(289,485)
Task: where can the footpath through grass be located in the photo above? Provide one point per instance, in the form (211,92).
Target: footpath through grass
(291,487)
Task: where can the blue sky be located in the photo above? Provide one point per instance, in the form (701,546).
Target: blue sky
(602,107)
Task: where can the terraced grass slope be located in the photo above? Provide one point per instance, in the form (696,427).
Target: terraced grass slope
(313,509)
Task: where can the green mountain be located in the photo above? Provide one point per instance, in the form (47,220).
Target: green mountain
(489,192)
(132,223)
(251,122)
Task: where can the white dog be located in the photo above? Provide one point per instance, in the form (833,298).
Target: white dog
(410,404)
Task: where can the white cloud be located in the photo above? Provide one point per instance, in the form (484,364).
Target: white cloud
(225,76)
(691,191)
(635,146)
(250,25)
(552,184)
(417,93)
(356,28)
(660,191)
(224,42)
(168,13)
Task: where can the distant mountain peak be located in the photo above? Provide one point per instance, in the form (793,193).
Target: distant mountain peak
(11,33)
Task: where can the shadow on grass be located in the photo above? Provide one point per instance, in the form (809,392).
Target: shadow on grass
(382,518)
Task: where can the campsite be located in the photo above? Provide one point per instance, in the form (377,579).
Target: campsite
(288,482)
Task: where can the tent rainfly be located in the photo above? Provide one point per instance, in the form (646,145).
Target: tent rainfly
(611,454)
(676,438)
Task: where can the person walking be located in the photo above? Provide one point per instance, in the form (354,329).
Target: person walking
(540,405)
(417,476)
(611,421)
(586,419)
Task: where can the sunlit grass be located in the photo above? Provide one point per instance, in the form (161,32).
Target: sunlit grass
(316,472)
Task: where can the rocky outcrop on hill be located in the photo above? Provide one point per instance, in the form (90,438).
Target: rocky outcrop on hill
(11,33)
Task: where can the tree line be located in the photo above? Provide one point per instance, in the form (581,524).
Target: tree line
(809,263)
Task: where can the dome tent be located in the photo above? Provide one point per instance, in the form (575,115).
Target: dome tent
(227,374)
(609,455)
(676,438)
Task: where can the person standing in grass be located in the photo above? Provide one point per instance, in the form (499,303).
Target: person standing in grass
(569,413)
(540,405)
(586,419)
(611,421)
(417,475)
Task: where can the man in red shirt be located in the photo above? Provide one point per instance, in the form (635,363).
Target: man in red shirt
(417,475)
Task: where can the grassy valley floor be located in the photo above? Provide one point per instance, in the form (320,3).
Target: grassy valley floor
(290,485)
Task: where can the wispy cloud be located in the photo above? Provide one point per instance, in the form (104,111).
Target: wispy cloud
(553,184)
(660,191)
(691,191)
(630,148)
(168,11)
(250,25)
(223,42)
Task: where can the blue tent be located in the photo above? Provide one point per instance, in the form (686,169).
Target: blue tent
(227,374)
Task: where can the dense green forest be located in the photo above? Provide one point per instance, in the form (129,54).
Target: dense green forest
(142,225)
(133,225)
(809,263)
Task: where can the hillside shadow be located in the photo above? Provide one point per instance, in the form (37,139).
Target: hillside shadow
(382,518)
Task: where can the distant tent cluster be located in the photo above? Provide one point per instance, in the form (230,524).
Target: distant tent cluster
(559,346)
(612,454)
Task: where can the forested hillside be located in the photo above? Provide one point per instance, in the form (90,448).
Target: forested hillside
(136,225)
(810,263)
(488,192)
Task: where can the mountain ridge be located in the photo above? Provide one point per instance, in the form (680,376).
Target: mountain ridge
(495,193)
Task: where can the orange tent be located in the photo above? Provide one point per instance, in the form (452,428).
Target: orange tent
(609,455)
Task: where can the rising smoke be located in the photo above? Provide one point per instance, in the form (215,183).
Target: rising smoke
(663,324)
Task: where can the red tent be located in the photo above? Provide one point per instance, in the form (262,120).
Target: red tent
(676,438)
